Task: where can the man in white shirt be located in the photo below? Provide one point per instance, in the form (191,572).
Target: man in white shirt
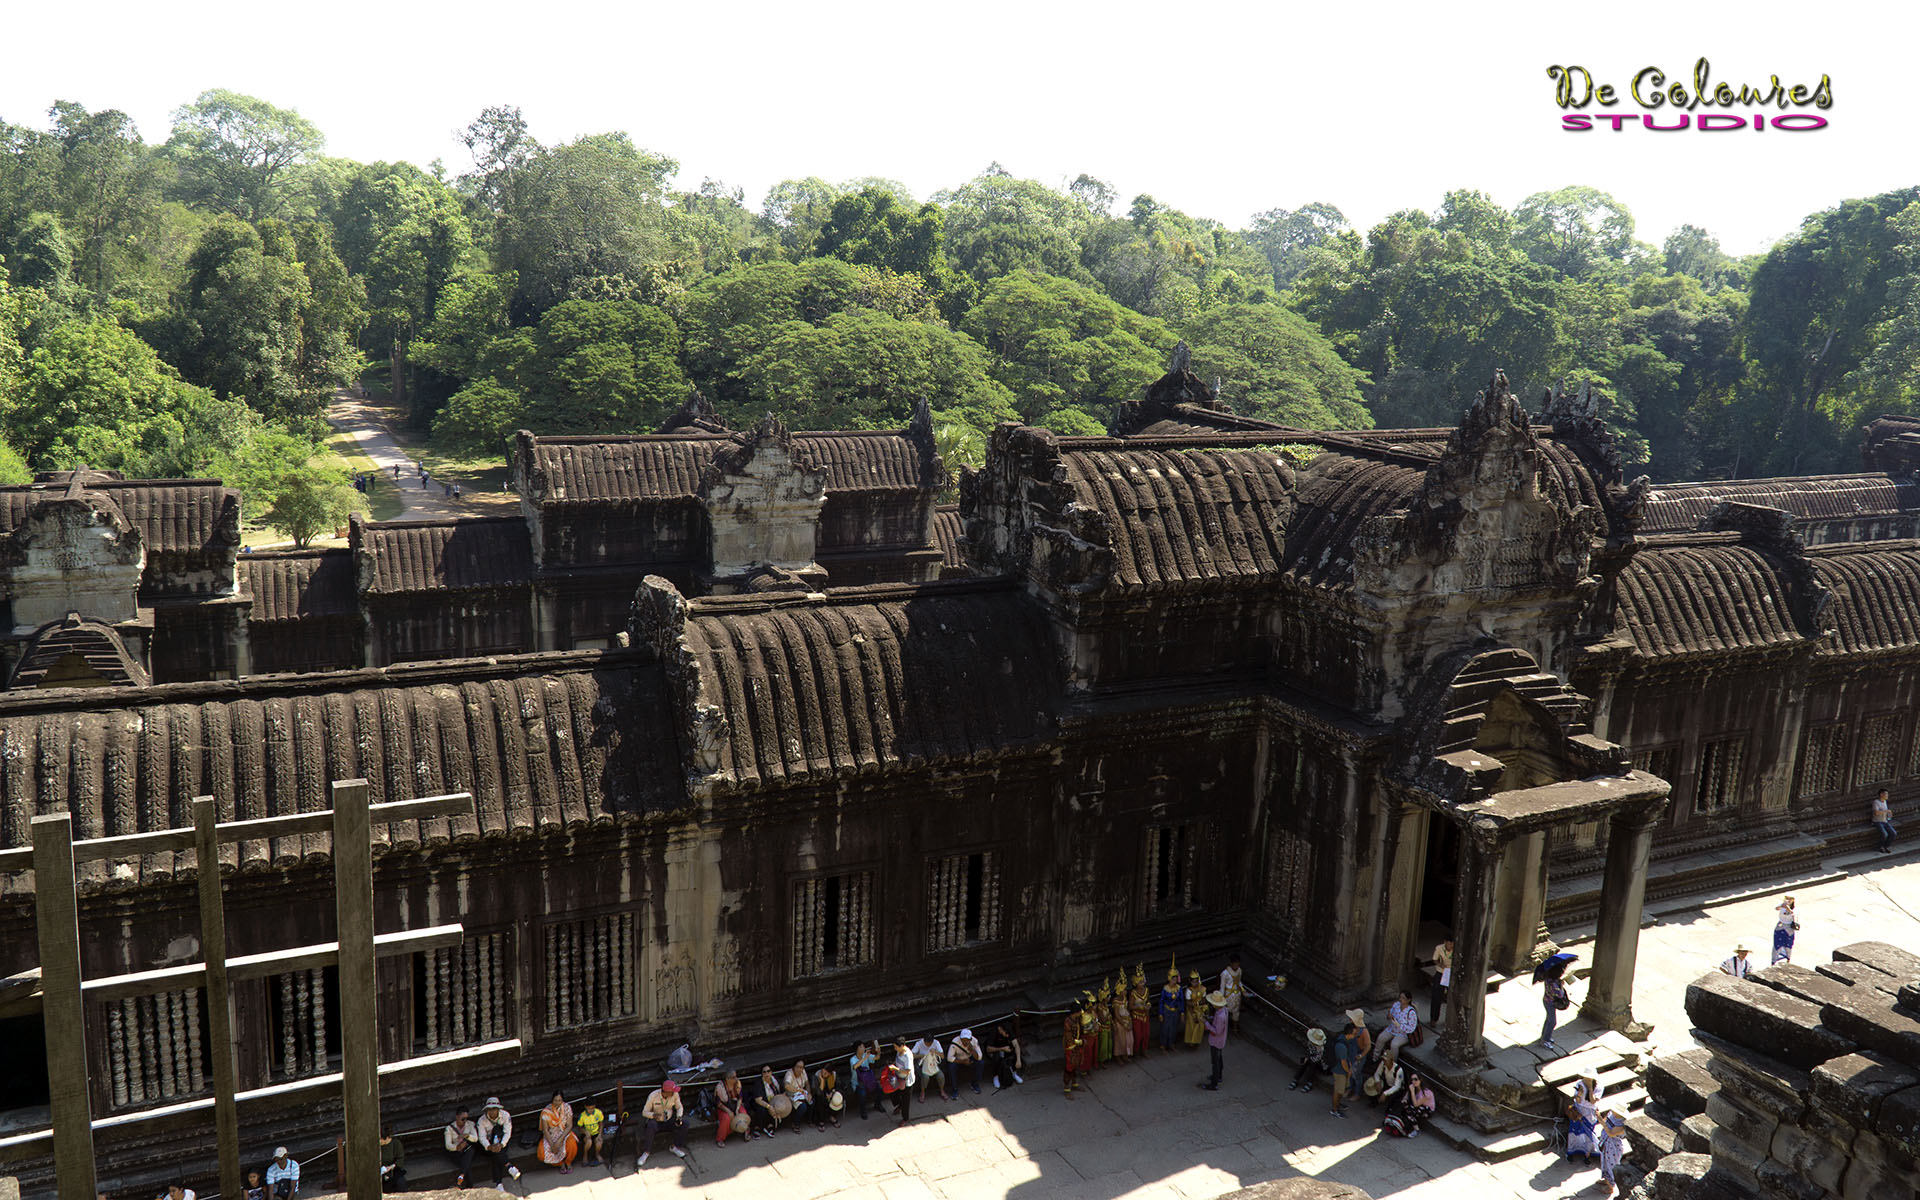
(496,1138)
(903,1079)
(966,1052)
(283,1175)
(1737,966)
(928,1056)
(1883,821)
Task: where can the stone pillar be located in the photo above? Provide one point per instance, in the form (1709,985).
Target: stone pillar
(1400,946)
(546,617)
(1480,855)
(1623,892)
(1519,904)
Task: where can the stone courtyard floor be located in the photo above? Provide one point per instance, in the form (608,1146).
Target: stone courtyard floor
(1146,1131)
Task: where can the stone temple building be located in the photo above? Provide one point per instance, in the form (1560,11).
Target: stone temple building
(765,744)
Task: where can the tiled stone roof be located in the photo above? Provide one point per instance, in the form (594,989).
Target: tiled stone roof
(1704,595)
(289,585)
(473,553)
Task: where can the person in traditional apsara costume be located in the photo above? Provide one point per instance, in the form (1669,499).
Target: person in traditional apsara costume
(1070,1043)
(1088,1036)
(1194,1015)
(1122,1016)
(1102,1009)
(1168,1007)
(1140,1006)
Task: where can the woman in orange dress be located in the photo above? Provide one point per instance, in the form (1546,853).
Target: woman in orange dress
(558,1144)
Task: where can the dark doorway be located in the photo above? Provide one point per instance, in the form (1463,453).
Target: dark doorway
(1442,873)
(23,1062)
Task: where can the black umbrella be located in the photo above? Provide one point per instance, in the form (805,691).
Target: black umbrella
(1554,966)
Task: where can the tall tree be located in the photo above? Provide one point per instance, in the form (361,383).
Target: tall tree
(607,366)
(234,152)
(237,326)
(109,186)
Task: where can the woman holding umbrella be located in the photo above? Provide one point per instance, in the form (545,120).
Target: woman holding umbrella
(1555,997)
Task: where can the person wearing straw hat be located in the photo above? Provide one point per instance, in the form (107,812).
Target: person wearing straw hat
(1315,1059)
(496,1137)
(664,1110)
(1216,1037)
(1738,966)
(1350,1050)
(1785,927)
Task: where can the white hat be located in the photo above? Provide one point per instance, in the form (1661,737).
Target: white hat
(1357,1016)
(279,1151)
(492,1102)
(1317,1036)
(966,1033)
(834,1101)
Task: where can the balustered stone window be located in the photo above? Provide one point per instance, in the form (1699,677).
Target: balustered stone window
(963,901)
(303,1017)
(832,923)
(590,975)
(1823,763)
(1717,780)
(1879,749)
(156,1047)
(462,994)
(1660,760)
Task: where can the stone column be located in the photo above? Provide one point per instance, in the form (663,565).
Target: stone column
(1519,904)
(1400,946)
(1480,854)
(1623,892)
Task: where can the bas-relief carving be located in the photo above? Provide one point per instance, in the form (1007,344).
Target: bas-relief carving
(675,986)
(75,553)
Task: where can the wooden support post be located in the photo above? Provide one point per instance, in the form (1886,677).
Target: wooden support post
(213,952)
(359,992)
(56,907)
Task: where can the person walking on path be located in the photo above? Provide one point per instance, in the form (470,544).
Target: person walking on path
(1349,1051)
(1556,1000)
(1883,821)
(1217,1019)
(1787,924)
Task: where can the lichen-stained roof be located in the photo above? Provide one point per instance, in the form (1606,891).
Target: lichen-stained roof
(1338,494)
(948,533)
(1184,513)
(469,554)
(541,741)
(174,516)
(1681,507)
(289,585)
(662,467)
(1876,595)
(886,676)
(1704,595)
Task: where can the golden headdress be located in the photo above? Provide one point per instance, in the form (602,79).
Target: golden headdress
(1173,971)
(1140,975)
(1106,988)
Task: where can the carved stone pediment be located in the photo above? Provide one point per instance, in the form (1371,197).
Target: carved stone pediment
(75,552)
(763,505)
(1489,516)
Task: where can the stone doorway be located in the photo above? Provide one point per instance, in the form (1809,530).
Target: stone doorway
(1441,878)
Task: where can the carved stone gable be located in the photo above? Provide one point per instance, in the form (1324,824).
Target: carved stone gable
(763,504)
(74,553)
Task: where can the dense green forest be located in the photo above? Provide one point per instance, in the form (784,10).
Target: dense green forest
(187,308)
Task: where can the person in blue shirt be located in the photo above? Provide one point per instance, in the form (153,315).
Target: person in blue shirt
(283,1175)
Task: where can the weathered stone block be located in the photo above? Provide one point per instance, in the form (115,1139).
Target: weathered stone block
(1910,996)
(1749,1125)
(1806,1157)
(1682,1082)
(1871,1021)
(1649,1140)
(1760,1082)
(1853,1087)
(1759,1018)
(1899,1116)
(1860,974)
(1696,1134)
(1899,963)
(1809,985)
(1738,1159)
(1674,1176)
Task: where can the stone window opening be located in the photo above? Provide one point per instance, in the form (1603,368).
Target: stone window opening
(1172,851)
(1823,761)
(589,967)
(156,1047)
(461,993)
(1717,779)
(832,924)
(1879,758)
(963,901)
(1658,760)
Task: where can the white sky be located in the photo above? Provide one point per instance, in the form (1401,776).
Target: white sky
(1220,109)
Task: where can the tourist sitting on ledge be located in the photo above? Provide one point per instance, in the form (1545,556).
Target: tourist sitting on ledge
(1313,1062)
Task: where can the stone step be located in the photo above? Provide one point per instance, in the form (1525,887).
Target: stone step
(1650,1138)
(1680,1082)
(1587,1060)
(1489,1147)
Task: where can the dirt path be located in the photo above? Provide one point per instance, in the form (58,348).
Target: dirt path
(427,502)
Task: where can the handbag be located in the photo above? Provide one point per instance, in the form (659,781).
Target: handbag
(1417,1036)
(1562,1003)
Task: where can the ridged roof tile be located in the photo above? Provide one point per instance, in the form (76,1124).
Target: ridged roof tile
(472,553)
